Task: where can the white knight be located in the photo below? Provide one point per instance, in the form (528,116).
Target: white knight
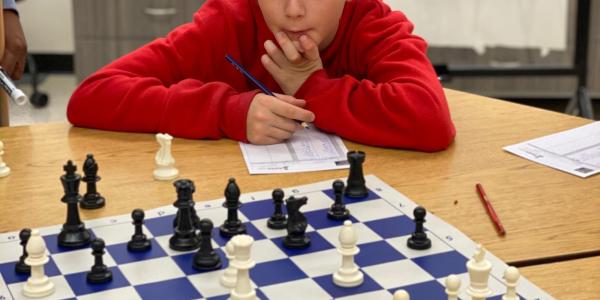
(165,163)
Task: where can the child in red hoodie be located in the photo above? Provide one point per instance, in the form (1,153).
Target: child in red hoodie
(351,67)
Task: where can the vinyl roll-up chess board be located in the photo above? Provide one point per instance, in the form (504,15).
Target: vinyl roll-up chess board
(382,220)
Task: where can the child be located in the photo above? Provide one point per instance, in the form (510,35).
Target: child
(352,67)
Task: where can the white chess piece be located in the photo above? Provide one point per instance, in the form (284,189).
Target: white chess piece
(243,263)
(38,285)
(165,163)
(401,295)
(511,275)
(229,277)
(4,169)
(348,275)
(452,287)
(479,272)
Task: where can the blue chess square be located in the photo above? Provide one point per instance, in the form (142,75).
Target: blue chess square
(250,230)
(174,289)
(53,247)
(259,209)
(10,276)
(392,227)
(377,253)
(443,264)
(347,200)
(317,243)
(318,219)
(276,271)
(80,286)
(185,262)
(122,255)
(259,294)
(326,282)
(424,290)
(161,225)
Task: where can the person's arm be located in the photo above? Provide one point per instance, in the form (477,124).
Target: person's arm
(399,102)
(15,53)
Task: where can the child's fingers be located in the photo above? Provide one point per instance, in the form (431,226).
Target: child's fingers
(311,50)
(291,100)
(279,134)
(288,48)
(275,53)
(292,112)
(269,64)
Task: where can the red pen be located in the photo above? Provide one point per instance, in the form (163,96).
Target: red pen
(490,209)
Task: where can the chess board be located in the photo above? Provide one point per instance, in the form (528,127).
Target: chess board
(382,220)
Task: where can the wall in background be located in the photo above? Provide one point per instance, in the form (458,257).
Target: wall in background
(48,26)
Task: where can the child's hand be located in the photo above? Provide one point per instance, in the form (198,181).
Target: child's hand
(272,120)
(291,65)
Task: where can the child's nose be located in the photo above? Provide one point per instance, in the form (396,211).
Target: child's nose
(295,8)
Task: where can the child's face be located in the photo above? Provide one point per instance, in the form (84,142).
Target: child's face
(318,19)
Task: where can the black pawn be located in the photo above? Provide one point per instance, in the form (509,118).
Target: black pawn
(184,236)
(73,233)
(232,226)
(195,219)
(21,267)
(338,210)
(206,258)
(100,272)
(92,199)
(139,242)
(419,240)
(278,220)
(356,187)
(296,226)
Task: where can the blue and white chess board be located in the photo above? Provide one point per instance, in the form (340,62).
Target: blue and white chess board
(382,220)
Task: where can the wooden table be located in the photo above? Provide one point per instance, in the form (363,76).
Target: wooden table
(546,213)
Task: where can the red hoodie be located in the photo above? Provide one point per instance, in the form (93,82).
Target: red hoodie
(377,86)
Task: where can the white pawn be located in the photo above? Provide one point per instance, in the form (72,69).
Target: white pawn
(401,295)
(348,275)
(479,273)
(243,263)
(4,169)
(230,275)
(511,275)
(452,287)
(165,169)
(38,285)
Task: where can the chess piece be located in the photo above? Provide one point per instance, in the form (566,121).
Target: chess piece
(278,220)
(38,285)
(21,267)
(401,295)
(195,218)
(165,163)
(4,169)
(355,186)
(296,226)
(229,277)
(479,272)
(99,273)
(139,242)
(73,233)
(92,199)
(348,275)
(419,240)
(511,275)
(338,210)
(452,287)
(206,258)
(243,263)
(184,236)
(232,226)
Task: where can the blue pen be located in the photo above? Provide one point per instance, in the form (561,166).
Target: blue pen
(258,84)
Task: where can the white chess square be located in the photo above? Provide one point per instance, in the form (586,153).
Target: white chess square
(11,251)
(494,285)
(152,270)
(217,215)
(319,263)
(372,210)
(265,250)
(118,233)
(380,294)
(397,273)
(437,246)
(209,285)
(298,289)
(316,200)
(79,261)
(363,233)
(128,293)
(62,290)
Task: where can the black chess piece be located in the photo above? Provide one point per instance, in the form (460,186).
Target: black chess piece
(232,226)
(338,210)
(206,258)
(139,242)
(419,240)
(73,233)
(296,225)
(195,219)
(184,236)
(92,199)
(100,272)
(278,220)
(21,267)
(355,185)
